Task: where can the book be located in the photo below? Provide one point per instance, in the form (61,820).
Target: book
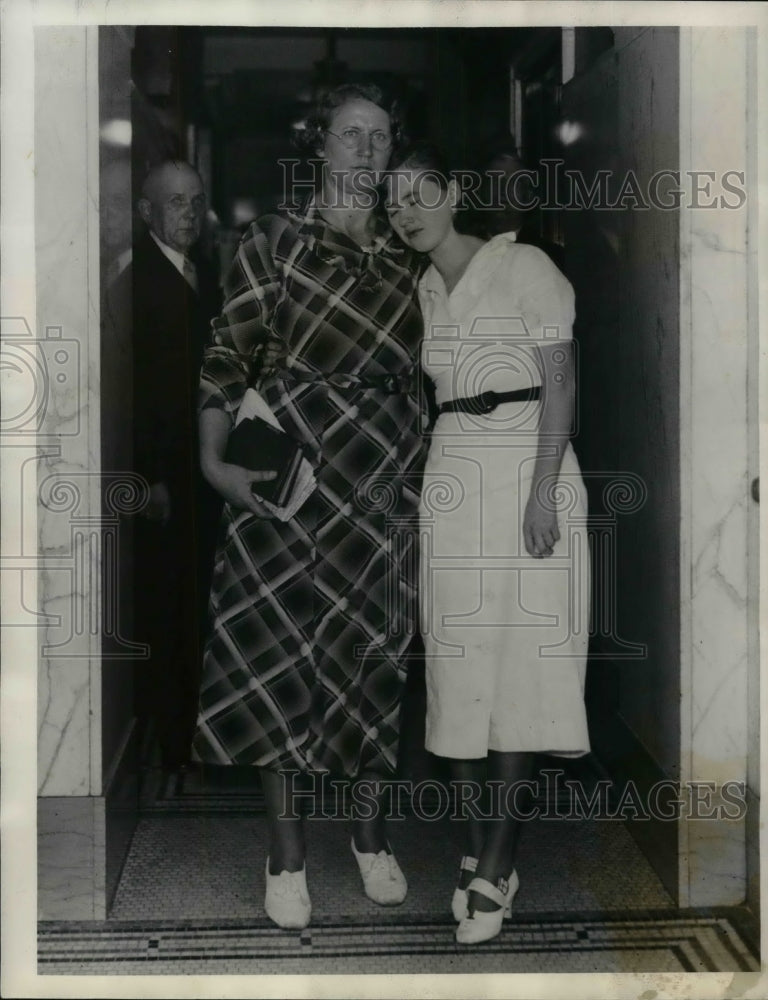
(257,442)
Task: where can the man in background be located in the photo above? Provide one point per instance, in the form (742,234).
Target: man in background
(508,179)
(174,297)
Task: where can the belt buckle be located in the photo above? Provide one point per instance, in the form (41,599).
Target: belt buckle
(487,401)
(390,383)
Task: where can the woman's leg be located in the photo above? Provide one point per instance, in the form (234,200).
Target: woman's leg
(468,778)
(286,829)
(383,879)
(496,859)
(368,817)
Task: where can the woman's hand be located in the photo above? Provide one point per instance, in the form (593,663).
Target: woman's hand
(540,530)
(232,482)
(235,483)
(272,352)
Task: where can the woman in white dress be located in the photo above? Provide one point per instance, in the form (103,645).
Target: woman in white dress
(505,563)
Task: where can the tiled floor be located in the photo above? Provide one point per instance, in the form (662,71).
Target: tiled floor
(651,943)
(191,901)
(192,867)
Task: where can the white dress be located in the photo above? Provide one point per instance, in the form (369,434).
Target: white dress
(505,634)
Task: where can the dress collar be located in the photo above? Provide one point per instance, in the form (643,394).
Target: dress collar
(310,223)
(432,282)
(339,250)
(334,248)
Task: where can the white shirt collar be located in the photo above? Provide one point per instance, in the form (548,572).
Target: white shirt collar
(124,259)
(431,282)
(176,258)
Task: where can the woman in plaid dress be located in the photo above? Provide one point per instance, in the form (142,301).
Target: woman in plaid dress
(312,618)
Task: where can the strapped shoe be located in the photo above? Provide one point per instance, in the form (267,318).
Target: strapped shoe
(287,900)
(484,925)
(459,901)
(383,879)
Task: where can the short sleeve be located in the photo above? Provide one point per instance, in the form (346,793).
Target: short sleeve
(530,286)
(223,381)
(251,291)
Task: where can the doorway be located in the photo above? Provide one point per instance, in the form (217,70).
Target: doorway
(221,98)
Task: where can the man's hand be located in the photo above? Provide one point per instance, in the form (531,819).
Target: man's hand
(158,508)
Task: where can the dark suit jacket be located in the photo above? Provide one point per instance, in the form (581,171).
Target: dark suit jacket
(171,327)
(152,307)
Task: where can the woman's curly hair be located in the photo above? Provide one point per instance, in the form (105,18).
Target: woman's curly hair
(312,136)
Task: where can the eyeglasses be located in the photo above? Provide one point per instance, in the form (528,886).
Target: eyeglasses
(351,137)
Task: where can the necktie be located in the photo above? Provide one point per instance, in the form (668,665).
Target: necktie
(190,274)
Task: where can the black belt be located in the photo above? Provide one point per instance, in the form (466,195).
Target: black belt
(389,384)
(487,402)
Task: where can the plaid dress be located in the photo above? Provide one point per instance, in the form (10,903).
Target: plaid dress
(312,618)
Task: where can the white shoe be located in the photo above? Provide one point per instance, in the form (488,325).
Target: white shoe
(383,879)
(484,925)
(459,901)
(287,899)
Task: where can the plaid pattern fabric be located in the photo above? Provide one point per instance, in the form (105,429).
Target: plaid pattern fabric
(311,619)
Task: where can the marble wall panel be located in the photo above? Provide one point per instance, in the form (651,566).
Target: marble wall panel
(71,858)
(87,753)
(66,253)
(663,326)
(714,456)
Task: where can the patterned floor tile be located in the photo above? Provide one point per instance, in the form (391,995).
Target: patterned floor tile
(213,866)
(190,901)
(686,942)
